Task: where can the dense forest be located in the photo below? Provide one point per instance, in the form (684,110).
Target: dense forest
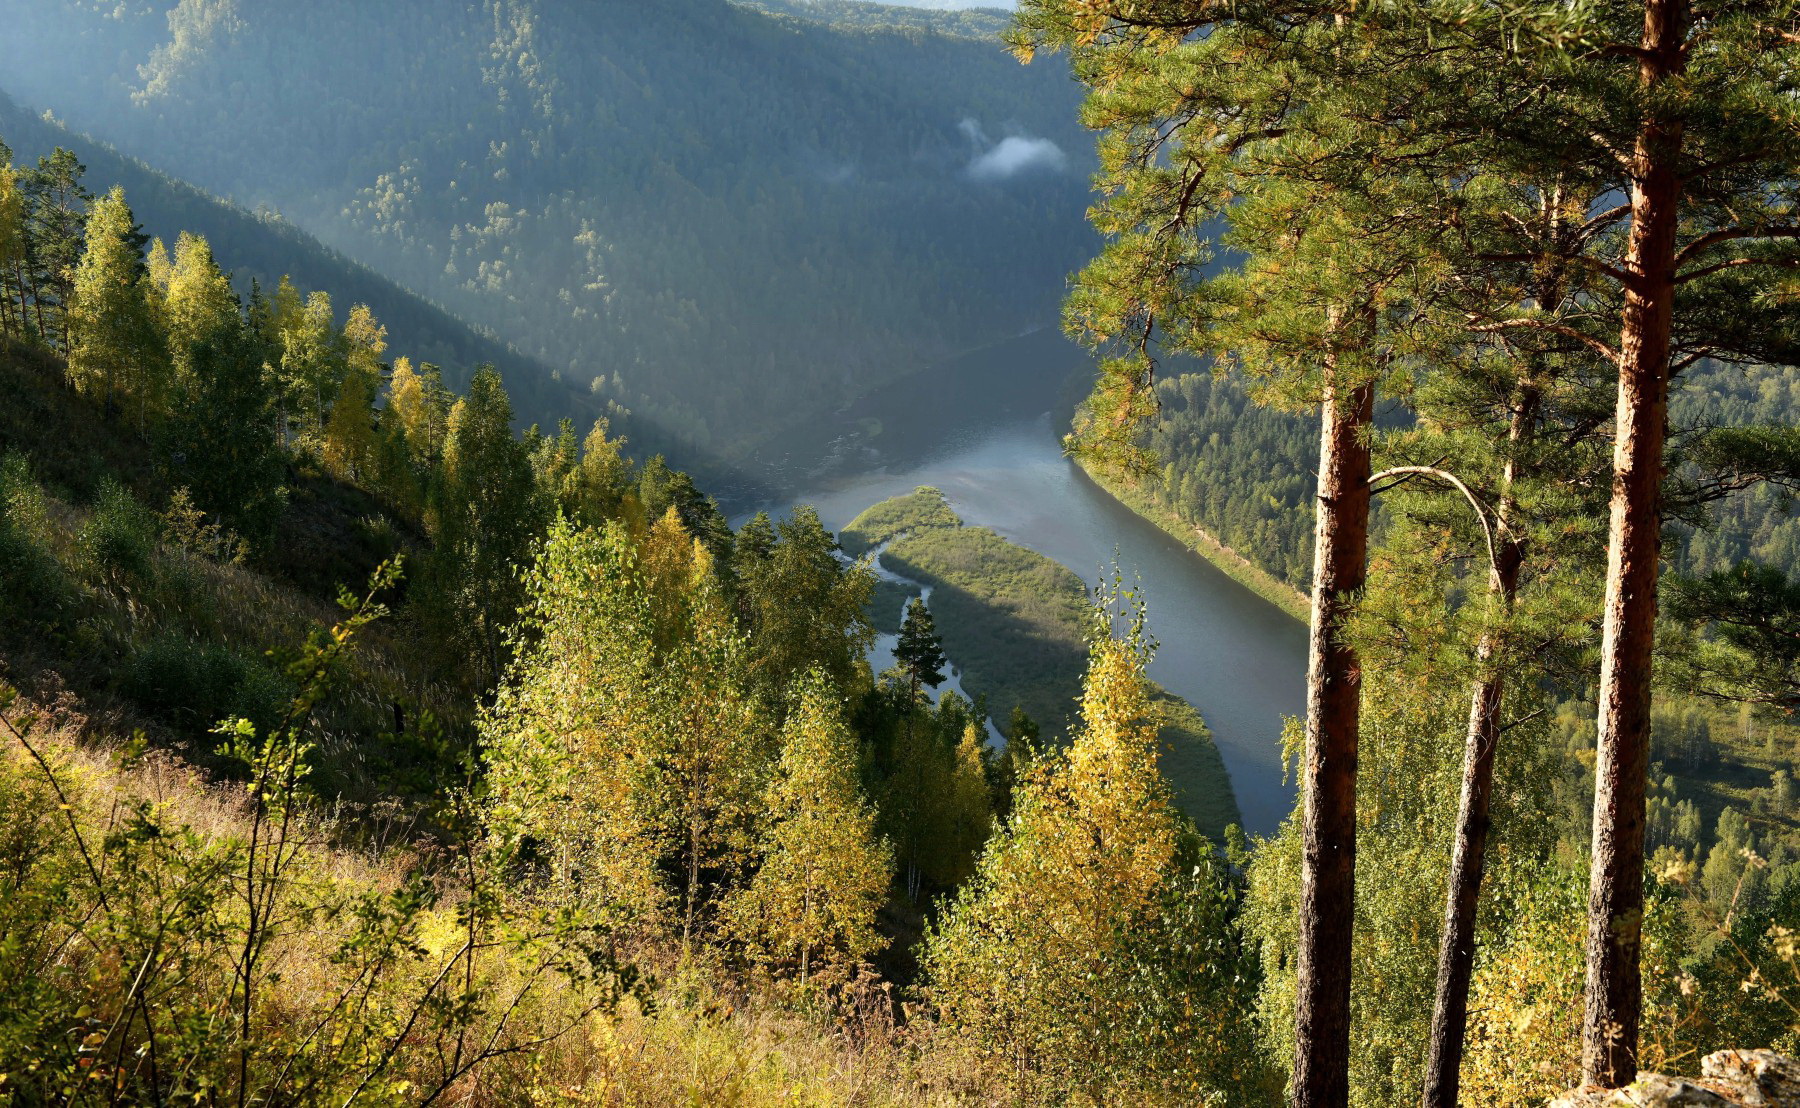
(577,764)
(723,220)
(365,741)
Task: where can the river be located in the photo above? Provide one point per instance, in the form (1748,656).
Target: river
(985,429)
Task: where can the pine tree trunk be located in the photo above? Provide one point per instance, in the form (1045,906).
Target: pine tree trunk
(1456,950)
(1333,711)
(1609,1036)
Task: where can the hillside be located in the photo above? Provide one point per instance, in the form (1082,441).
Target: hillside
(724,220)
(262,247)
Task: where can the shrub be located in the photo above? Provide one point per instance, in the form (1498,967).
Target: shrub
(120,540)
(194,685)
(38,593)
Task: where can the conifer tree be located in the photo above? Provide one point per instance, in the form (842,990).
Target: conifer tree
(1700,138)
(56,214)
(117,352)
(824,871)
(919,652)
(1243,124)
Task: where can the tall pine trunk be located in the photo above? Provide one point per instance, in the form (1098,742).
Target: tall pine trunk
(1468,863)
(1333,715)
(1609,1034)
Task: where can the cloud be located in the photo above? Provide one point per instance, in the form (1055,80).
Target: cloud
(1012,156)
(1016,154)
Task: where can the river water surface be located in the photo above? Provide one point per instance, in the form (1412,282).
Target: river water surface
(985,429)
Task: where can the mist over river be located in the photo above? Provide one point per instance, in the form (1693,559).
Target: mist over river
(985,428)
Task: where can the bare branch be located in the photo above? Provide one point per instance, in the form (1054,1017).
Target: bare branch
(1481,513)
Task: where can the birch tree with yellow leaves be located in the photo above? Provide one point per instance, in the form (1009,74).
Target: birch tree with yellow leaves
(1094,952)
(825,870)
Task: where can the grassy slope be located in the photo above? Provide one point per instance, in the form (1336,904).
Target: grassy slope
(150,647)
(1014,621)
(920,510)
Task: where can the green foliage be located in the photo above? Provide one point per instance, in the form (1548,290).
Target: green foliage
(1095,952)
(485,516)
(261,246)
(1016,622)
(219,438)
(192,685)
(120,540)
(635,757)
(117,352)
(1752,652)
(921,510)
(1012,618)
(1240,471)
(822,871)
(40,595)
(576,190)
(919,652)
(931,771)
(151,957)
(803,607)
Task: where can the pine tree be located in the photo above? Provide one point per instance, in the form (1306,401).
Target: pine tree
(117,352)
(824,871)
(56,214)
(919,652)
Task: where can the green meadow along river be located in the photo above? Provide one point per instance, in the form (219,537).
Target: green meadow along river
(985,428)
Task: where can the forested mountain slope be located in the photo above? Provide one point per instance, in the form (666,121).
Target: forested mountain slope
(723,219)
(261,247)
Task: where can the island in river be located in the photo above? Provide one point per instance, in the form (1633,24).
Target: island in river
(986,429)
(1016,622)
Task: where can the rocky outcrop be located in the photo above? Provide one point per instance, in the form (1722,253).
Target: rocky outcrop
(1728,1079)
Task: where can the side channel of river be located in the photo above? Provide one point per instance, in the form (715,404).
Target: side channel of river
(996,455)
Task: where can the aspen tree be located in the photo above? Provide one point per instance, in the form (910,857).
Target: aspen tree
(198,303)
